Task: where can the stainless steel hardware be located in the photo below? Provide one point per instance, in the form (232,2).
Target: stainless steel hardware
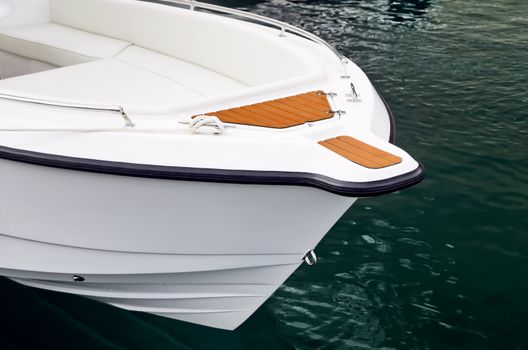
(310,258)
(353,95)
(80,106)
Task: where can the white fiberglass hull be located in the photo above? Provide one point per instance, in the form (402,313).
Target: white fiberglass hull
(200,252)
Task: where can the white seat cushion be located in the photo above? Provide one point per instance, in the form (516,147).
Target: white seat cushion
(58,45)
(196,78)
(236,49)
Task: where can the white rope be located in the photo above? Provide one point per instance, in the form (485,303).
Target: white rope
(211,122)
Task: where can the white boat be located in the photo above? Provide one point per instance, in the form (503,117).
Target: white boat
(180,159)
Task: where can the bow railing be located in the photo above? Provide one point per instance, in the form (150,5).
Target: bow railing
(79,106)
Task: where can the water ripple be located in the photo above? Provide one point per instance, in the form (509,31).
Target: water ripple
(441,264)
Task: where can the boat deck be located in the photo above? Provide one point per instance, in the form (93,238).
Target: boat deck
(304,108)
(360,152)
(280,113)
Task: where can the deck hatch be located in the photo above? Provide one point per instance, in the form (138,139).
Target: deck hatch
(280,113)
(360,152)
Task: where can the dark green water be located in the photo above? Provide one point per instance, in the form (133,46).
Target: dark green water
(440,266)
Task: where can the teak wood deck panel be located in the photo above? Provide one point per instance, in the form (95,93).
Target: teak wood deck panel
(360,152)
(280,113)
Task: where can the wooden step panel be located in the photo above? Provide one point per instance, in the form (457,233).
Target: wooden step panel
(360,152)
(280,113)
